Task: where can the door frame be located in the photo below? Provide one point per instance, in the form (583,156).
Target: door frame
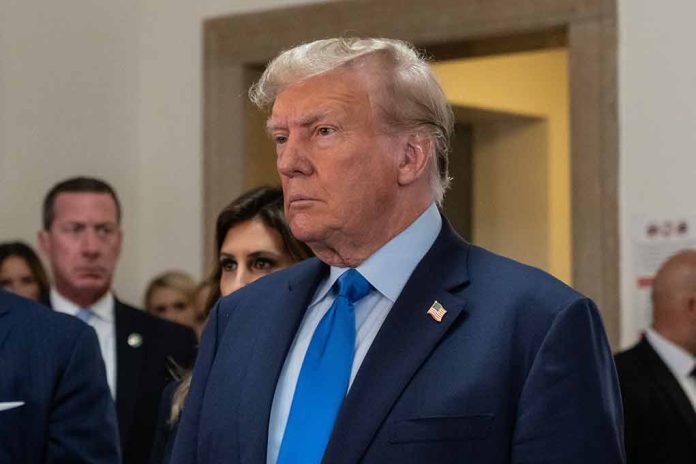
(236,47)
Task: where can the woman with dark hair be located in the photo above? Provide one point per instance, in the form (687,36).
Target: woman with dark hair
(21,272)
(252,240)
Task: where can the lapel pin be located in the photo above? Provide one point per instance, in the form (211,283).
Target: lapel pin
(135,340)
(437,312)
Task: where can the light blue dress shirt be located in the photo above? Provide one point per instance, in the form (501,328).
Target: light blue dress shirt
(388,270)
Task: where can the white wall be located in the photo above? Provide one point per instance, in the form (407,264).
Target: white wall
(657,119)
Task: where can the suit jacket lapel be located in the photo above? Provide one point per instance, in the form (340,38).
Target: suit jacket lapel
(669,385)
(274,341)
(129,361)
(404,342)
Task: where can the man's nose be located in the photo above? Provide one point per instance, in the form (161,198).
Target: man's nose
(292,158)
(90,242)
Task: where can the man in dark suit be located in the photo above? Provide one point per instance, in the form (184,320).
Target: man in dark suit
(54,401)
(81,238)
(401,343)
(658,375)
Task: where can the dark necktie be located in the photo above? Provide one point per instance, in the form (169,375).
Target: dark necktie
(324,376)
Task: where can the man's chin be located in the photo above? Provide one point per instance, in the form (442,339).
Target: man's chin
(92,286)
(308,234)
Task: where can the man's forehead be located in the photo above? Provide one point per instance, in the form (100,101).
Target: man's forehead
(83,204)
(319,98)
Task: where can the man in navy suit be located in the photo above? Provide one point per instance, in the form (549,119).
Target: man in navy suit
(401,343)
(81,237)
(55,404)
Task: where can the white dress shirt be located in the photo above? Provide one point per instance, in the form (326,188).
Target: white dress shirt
(387,270)
(679,361)
(102,321)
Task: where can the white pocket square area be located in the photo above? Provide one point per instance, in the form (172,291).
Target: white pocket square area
(10,405)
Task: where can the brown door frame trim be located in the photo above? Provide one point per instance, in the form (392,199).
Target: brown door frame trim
(236,46)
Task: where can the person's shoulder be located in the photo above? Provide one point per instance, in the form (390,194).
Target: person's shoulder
(151,324)
(283,278)
(38,318)
(630,363)
(488,269)
(630,354)
(40,334)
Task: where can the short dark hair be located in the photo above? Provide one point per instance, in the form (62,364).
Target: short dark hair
(265,203)
(24,251)
(79,184)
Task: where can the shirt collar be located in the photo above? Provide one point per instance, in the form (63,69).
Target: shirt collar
(102,308)
(389,268)
(679,360)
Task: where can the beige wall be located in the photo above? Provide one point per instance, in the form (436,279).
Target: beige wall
(528,84)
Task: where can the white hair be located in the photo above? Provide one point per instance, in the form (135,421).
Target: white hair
(415,99)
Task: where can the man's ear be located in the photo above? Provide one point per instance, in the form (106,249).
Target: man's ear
(691,304)
(417,151)
(44,242)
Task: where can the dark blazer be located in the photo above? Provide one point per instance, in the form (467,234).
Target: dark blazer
(52,363)
(519,370)
(660,421)
(142,371)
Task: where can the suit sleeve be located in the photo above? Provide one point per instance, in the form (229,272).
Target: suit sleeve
(82,425)
(570,407)
(186,442)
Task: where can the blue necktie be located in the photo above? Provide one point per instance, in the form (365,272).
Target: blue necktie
(84,314)
(324,376)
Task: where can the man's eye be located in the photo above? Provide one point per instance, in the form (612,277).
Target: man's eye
(74,229)
(105,230)
(280,139)
(228,265)
(326,130)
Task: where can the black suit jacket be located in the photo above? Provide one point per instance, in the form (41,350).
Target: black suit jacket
(143,371)
(144,366)
(52,364)
(660,422)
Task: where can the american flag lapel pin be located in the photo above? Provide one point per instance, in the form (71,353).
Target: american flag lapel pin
(437,311)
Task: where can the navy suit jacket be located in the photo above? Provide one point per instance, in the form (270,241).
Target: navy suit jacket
(52,363)
(518,371)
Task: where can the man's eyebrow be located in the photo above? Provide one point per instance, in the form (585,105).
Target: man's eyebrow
(304,121)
